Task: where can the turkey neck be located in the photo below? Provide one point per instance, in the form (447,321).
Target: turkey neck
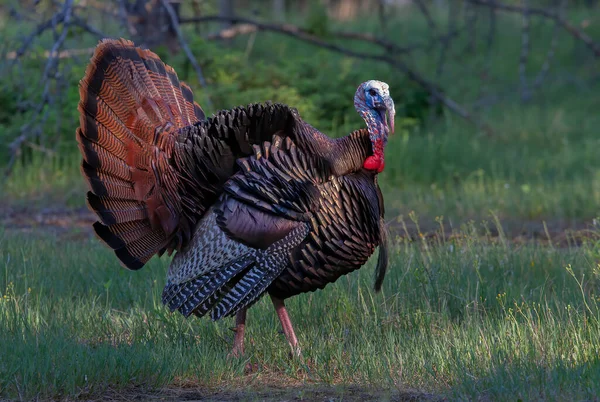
(350,152)
(344,155)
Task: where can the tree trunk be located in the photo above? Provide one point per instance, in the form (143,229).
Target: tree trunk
(226,11)
(279,10)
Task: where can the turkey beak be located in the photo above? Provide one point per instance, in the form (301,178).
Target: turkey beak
(389,105)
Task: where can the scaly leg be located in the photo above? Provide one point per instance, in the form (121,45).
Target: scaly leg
(286,324)
(238,340)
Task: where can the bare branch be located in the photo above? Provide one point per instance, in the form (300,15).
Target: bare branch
(184,45)
(551,51)
(229,33)
(446,41)
(559,18)
(87,27)
(491,34)
(32,128)
(285,29)
(525,46)
(425,11)
(28,41)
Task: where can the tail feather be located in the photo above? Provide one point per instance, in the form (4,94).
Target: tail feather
(145,247)
(114,210)
(117,172)
(106,185)
(114,139)
(96,101)
(131,105)
(127,232)
(193,109)
(98,158)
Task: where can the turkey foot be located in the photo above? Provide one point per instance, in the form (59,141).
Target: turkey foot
(238,340)
(286,324)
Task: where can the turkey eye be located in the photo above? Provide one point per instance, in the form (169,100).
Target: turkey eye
(372,92)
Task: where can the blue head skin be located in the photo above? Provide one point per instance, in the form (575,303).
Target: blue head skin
(372,100)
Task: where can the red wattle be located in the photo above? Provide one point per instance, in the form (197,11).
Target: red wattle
(375,163)
(371,163)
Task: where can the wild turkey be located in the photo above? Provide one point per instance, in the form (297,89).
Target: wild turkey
(253,199)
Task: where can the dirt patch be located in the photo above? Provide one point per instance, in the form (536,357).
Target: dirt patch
(558,232)
(77,223)
(65,223)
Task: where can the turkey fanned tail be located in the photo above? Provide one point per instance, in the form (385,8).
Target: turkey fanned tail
(131,107)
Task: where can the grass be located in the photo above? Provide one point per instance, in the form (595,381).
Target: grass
(44,181)
(462,318)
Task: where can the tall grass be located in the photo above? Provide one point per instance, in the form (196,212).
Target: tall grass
(44,181)
(458,317)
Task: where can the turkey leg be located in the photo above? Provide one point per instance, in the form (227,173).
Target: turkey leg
(238,340)
(286,324)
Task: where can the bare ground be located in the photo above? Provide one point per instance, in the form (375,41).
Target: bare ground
(76,224)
